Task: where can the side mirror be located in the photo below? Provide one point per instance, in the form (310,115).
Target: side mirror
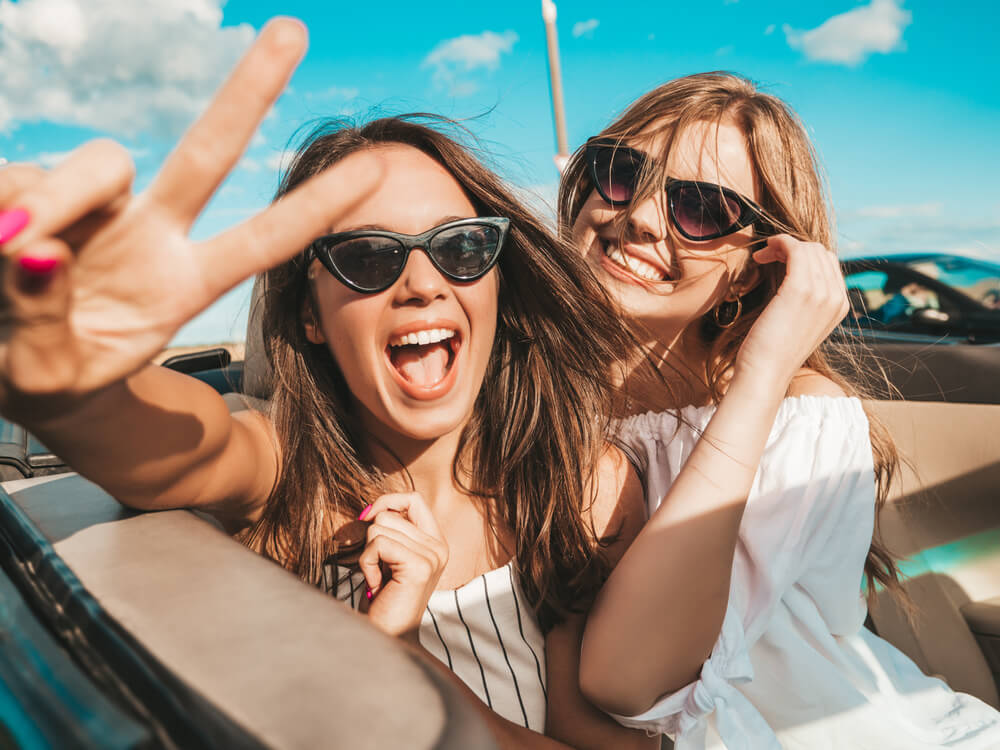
(928,316)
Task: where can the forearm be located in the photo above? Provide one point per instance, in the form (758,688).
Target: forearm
(152,440)
(661,611)
(509,736)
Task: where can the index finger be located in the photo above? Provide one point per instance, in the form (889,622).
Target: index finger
(213,145)
(410,503)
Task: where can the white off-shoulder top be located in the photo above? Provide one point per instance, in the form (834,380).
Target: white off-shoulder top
(487,634)
(793,666)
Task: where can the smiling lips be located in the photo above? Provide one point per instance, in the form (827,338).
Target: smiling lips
(422,360)
(637,267)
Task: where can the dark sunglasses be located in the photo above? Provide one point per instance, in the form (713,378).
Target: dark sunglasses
(699,210)
(370,260)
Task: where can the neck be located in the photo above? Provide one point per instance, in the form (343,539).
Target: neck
(422,466)
(668,372)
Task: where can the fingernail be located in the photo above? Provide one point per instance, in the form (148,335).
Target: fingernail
(368,594)
(38,266)
(35,273)
(12,222)
(365,512)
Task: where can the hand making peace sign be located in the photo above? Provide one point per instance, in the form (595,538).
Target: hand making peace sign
(98,279)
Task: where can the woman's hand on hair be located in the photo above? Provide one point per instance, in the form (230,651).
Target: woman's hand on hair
(96,279)
(810,302)
(402,562)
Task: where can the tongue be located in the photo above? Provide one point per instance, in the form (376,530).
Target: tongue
(424,366)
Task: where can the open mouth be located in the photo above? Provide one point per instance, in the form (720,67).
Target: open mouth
(636,267)
(424,360)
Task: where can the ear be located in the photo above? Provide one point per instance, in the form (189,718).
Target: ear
(314,331)
(746,278)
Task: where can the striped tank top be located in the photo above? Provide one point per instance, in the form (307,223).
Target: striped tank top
(487,635)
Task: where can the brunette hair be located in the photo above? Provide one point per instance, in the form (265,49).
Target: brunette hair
(794,199)
(540,419)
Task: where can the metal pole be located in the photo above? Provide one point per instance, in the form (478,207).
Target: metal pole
(555,81)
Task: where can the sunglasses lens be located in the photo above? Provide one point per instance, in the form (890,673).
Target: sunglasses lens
(370,263)
(616,171)
(703,211)
(465,252)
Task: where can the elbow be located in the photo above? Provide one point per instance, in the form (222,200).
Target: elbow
(613,687)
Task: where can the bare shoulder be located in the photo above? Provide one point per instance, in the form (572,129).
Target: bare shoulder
(619,507)
(808,382)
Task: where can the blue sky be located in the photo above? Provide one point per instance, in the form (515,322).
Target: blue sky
(901,97)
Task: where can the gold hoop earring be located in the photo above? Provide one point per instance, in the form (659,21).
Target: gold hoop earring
(733,310)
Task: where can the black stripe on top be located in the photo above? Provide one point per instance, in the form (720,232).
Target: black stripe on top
(438,631)
(503,648)
(520,626)
(475,656)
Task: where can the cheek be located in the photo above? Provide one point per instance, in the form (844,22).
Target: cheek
(594,213)
(348,322)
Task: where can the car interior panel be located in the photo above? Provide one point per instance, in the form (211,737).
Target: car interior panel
(270,655)
(944,519)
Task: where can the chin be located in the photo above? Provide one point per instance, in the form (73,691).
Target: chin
(426,425)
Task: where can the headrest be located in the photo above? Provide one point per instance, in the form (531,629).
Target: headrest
(257,375)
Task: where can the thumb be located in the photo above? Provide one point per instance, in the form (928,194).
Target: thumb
(38,349)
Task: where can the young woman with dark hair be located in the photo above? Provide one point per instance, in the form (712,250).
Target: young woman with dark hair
(435,374)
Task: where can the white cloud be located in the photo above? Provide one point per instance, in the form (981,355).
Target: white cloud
(911,231)
(280,160)
(849,38)
(334,92)
(770,29)
(49,159)
(725,50)
(901,210)
(116,66)
(452,58)
(249,164)
(585,28)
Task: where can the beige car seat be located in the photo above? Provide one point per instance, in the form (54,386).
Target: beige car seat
(256,388)
(944,518)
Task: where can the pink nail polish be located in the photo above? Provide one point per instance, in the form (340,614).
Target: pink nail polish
(368,594)
(38,266)
(12,222)
(365,512)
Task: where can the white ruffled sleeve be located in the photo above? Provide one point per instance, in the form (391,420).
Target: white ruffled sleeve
(808,523)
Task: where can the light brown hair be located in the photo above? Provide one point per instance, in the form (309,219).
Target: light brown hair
(794,198)
(540,419)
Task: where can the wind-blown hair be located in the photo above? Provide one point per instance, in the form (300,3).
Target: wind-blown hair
(539,422)
(794,198)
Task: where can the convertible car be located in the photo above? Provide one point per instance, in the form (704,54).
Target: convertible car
(932,323)
(157,630)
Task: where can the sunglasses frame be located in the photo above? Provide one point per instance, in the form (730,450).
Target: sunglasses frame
(409,242)
(750,212)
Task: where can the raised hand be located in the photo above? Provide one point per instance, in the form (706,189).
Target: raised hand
(402,561)
(810,302)
(98,279)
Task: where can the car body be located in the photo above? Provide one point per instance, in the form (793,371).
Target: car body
(936,295)
(925,320)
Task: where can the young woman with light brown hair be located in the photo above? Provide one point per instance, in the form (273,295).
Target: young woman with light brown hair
(736,618)
(435,376)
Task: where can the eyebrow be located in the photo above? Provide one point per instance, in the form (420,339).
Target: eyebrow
(379,228)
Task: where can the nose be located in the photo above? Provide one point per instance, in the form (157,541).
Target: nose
(647,221)
(420,283)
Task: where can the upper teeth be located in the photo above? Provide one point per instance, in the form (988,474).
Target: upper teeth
(640,268)
(428,336)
